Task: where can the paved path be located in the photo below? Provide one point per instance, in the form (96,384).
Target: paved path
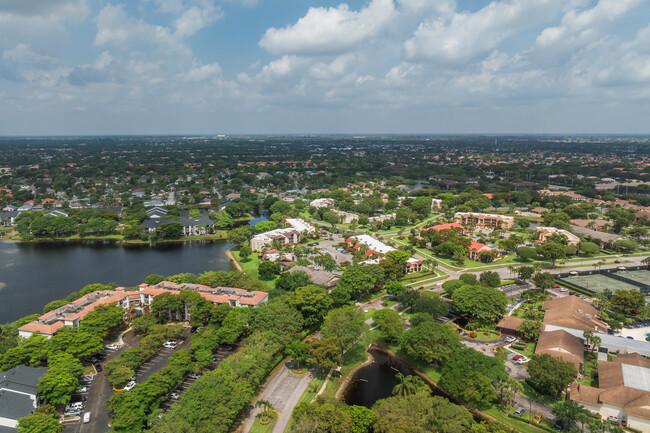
(283,390)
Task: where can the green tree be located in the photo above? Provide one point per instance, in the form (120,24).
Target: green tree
(469,375)
(530,329)
(525,272)
(544,280)
(469,279)
(526,253)
(550,375)
(628,301)
(394,264)
(345,323)
(592,339)
(245,252)
(153,279)
(268,270)
(298,351)
(569,412)
(490,279)
(552,251)
(290,281)
(362,419)
(313,302)
(61,379)
(410,384)
(45,419)
(325,352)
(390,323)
(484,304)
(430,342)
(588,248)
(431,303)
(54,305)
(170,230)
(394,287)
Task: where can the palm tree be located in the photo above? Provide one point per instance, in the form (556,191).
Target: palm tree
(409,385)
(511,268)
(266,407)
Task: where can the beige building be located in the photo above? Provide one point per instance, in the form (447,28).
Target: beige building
(484,220)
(544,233)
(623,391)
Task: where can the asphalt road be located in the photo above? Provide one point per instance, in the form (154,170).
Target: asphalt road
(101,390)
(282,390)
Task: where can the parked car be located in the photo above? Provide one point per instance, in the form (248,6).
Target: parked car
(563,289)
(511,339)
(69,413)
(520,411)
(83,390)
(170,344)
(98,368)
(112,347)
(129,386)
(517,357)
(522,360)
(538,417)
(86,417)
(174,395)
(558,426)
(613,419)
(194,375)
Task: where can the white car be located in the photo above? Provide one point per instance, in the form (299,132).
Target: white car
(112,346)
(129,386)
(563,289)
(169,344)
(174,396)
(194,375)
(74,406)
(522,361)
(511,339)
(83,390)
(613,419)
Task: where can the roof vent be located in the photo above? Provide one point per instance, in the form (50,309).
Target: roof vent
(579,311)
(587,316)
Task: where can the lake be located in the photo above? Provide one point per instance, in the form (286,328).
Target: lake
(33,274)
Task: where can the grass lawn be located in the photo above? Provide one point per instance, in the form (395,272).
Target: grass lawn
(259,428)
(528,391)
(370,296)
(591,370)
(250,267)
(486,335)
(528,352)
(519,426)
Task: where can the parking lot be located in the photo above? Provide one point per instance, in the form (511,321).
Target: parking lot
(330,248)
(100,390)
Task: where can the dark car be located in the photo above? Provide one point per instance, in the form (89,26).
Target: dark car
(98,367)
(558,426)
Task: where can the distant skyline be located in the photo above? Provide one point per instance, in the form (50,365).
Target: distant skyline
(237,67)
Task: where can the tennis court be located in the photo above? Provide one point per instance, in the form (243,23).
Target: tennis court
(642,277)
(599,283)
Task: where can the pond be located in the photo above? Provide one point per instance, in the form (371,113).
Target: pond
(33,274)
(377,380)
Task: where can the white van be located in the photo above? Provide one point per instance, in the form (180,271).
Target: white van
(86,417)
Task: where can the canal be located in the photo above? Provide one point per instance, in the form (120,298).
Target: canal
(33,274)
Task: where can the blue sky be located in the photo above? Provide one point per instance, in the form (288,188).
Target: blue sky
(71,67)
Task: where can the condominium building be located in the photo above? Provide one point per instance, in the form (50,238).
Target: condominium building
(484,220)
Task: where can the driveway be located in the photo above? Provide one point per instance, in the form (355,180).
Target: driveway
(283,390)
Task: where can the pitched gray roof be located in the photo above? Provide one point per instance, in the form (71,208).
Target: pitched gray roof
(14,405)
(22,378)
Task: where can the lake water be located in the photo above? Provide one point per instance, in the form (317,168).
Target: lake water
(31,275)
(375,381)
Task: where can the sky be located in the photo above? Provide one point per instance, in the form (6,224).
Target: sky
(96,67)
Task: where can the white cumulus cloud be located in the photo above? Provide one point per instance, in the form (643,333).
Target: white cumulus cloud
(330,30)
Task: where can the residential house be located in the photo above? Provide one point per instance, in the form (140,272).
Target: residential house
(284,236)
(322,202)
(623,391)
(574,313)
(8,219)
(413,266)
(18,394)
(156,212)
(322,278)
(191,226)
(476,248)
(563,345)
(508,325)
(484,220)
(596,236)
(56,213)
(545,233)
(447,226)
